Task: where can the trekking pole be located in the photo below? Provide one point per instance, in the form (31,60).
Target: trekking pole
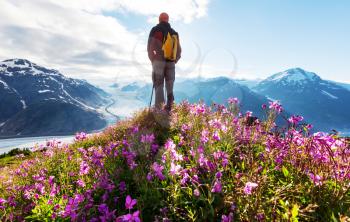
(150,102)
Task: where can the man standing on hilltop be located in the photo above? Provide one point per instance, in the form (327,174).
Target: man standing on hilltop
(164,51)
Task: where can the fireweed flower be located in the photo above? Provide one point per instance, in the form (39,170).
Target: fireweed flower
(149,177)
(249,114)
(218,175)
(174,169)
(233,100)
(195,179)
(228,218)
(316,179)
(134,217)
(238,176)
(217,188)
(295,119)
(215,123)
(249,186)
(104,210)
(81,183)
(148,138)
(51,178)
(197,109)
(54,190)
(40,188)
(154,149)
(260,216)
(130,158)
(221,155)
(129,202)
(200,149)
(2,202)
(170,145)
(202,160)
(157,170)
(38,178)
(204,136)
(84,168)
(135,129)
(185,128)
(276,106)
(216,136)
(122,186)
(80,136)
(185,179)
(196,192)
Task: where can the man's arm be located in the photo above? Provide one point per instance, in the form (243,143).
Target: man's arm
(149,45)
(154,45)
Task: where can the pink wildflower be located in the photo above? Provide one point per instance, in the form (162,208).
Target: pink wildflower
(248,189)
(129,202)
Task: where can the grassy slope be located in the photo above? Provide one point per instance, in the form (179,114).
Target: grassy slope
(284,193)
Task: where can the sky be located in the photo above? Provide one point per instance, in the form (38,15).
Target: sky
(105,40)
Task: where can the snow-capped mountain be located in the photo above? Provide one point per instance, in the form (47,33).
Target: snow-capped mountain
(296,77)
(26,89)
(321,102)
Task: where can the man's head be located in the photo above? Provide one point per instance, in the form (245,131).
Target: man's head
(163,17)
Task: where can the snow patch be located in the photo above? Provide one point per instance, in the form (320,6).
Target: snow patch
(12,63)
(5,84)
(23,104)
(44,91)
(71,97)
(329,95)
(293,76)
(271,99)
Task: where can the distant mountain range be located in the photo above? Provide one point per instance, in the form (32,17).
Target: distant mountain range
(212,90)
(39,101)
(325,104)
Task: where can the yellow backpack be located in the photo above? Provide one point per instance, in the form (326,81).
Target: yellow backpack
(170,47)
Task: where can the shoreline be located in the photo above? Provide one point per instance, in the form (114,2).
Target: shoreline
(107,124)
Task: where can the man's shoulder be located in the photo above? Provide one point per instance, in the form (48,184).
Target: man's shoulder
(156,28)
(162,28)
(174,32)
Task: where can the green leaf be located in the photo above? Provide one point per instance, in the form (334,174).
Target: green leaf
(282,203)
(295,211)
(176,139)
(243,165)
(334,219)
(285,171)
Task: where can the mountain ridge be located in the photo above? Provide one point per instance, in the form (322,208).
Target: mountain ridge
(24,84)
(322,102)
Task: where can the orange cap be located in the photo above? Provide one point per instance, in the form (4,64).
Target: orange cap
(163,17)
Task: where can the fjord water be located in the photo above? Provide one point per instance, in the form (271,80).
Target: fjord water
(29,142)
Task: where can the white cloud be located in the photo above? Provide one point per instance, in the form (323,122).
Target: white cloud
(180,10)
(76,36)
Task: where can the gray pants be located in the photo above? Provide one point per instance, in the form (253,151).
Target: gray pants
(163,70)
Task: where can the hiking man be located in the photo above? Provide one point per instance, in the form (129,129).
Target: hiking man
(164,51)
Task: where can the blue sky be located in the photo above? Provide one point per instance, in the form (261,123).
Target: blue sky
(268,36)
(241,39)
